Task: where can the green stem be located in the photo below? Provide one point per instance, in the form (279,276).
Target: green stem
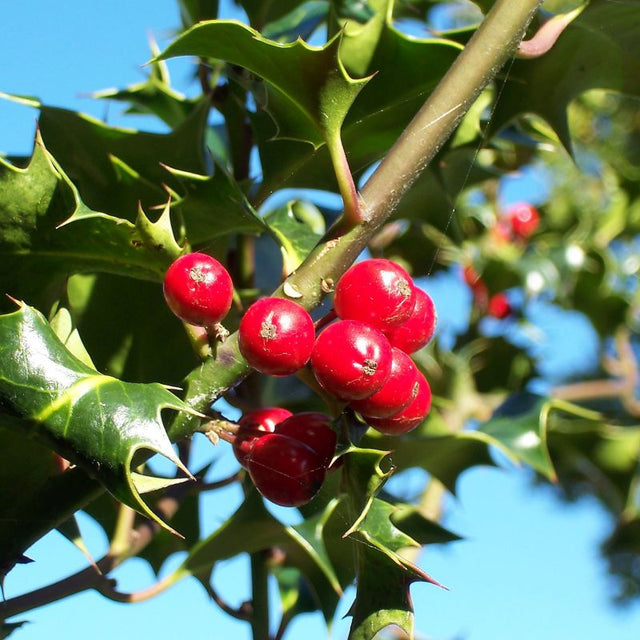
(260,596)
(351,213)
(495,41)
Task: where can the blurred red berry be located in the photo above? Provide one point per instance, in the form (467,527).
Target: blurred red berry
(524,219)
(499,306)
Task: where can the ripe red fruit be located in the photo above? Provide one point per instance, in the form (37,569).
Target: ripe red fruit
(499,306)
(314,429)
(524,219)
(351,359)
(396,393)
(408,418)
(377,291)
(198,289)
(284,470)
(415,332)
(276,336)
(255,424)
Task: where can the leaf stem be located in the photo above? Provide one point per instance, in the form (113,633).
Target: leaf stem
(351,209)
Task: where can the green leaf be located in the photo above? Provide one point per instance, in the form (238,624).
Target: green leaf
(599,50)
(363,476)
(261,14)
(47,233)
(383,576)
(122,348)
(95,421)
(402,71)
(308,91)
(118,170)
(301,22)
(445,457)
(293,233)
(212,206)
(71,531)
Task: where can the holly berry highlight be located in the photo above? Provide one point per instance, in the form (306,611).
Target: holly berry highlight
(362,359)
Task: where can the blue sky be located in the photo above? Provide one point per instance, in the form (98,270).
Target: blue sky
(529,566)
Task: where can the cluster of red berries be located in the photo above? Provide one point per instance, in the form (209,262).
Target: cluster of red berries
(287,456)
(362,358)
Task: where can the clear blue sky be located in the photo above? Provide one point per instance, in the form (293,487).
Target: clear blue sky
(529,566)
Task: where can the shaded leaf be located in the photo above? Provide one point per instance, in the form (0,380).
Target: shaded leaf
(8,628)
(153,96)
(300,22)
(95,421)
(212,206)
(598,50)
(86,148)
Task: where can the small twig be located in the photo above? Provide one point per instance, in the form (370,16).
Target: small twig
(243,612)
(200,487)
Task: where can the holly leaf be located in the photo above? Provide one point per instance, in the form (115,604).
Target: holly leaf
(120,170)
(308,92)
(47,233)
(98,422)
(380,603)
(401,72)
(212,206)
(600,49)
(363,475)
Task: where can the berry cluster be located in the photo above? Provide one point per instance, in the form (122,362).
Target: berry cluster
(287,455)
(362,358)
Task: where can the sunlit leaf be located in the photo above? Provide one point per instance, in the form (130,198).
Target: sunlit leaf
(95,421)
(308,91)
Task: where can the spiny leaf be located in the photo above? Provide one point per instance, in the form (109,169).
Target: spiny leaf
(598,50)
(381,602)
(212,206)
(363,476)
(402,70)
(85,148)
(308,91)
(47,233)
(96,421)
(71,531)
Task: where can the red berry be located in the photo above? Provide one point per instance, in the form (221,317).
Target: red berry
(314,429)
(415,332)
(276,336)
(499,306)
(396,393)
(198,289)
(408,418)
(377,291)
(351,359)
(524,219)
(284,470)
(255,424)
